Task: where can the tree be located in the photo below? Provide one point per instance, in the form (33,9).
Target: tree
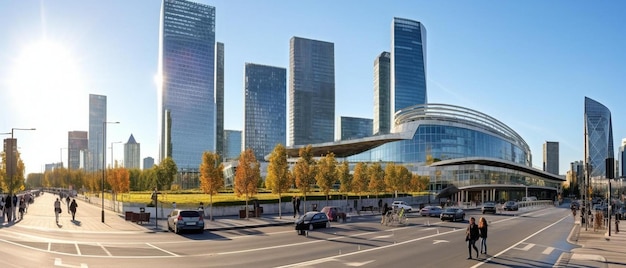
(12,185)
(304,171)
(397,178)
(278,178)
(165,173)
(360,180)
(377,178)
(247,176)
(418,183)
(345,179)
(211,177)
(326,174)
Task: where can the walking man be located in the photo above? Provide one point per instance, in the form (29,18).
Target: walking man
(298,205)
(57,209)
(293,202)
(73,207)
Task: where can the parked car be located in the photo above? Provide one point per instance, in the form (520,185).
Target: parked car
(452,214)
(488,207)
(312,220)
(511,206)
(431,211)
(401,204)
(183,219)
(334,213)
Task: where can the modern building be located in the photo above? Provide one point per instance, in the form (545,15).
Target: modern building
(148,162)
(232,145)
(551,157)
(353,128)
(311,91)
(132,153)
(77,141)
(97,121)
(577,169)
(265,108)
(219,99)
(622,157)
(408,64)
(187,82)
(598,137)
(382,91)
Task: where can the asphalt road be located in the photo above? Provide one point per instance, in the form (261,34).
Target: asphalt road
(534,239)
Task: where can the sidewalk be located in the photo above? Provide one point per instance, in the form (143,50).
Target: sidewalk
(597,248)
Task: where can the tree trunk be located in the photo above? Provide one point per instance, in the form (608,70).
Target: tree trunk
(210,208)
(279,205)
(247,209)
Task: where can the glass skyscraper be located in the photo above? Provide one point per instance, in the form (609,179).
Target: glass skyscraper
(186,69)
(551,157)
(219,99)
(232,144)
(598,137)
(622,158)
(97,119)
(311,91)
(408,64)
(382,91)
(354,128)
(265,104)
(77,141)
(132,152)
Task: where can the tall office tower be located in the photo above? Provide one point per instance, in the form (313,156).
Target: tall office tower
(382,91)
(148,162)
(551,157)
(219,99)
(311,91)
(187,95)
(353,128)
(132,152)
(77,141)
(265,105)
(598,137)
(622,157)
(97,119)
(232,144)
(408,64)
(578,170)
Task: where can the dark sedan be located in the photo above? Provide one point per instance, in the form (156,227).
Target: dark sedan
(312,220)
(489,207)
(452,214)
(511,206)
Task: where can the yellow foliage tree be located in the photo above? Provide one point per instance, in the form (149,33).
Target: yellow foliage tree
(247,176)
(278,178)
(304,171)
(211,177)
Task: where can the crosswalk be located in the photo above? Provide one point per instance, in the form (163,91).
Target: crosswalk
(534,248)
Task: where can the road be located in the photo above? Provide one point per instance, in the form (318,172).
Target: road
(533,239)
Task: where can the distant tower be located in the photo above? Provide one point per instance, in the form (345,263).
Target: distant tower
(219,99)
(551,157)
(622,157)
(77,141)
(311,91)
(598,137)
(233,144)
(132,151)
(353,128)
(97,119)
(148,162)
(382,91)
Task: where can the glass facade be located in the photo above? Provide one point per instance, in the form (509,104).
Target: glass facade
(551,157)
(148,162)
(598,137)
(408,64)
(77,141)
(232,142)
(382,91)
(354,128)
(186,69)
(622,157)
(219,99)
(265,104)
(132,152)
(311,91)
(97,117)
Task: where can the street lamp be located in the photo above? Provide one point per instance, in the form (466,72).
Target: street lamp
(104,164)
(112,163)
(13,156)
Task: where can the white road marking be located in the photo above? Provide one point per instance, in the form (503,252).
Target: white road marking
(155,247)
(357,264)
(105,250)
(439,241)
(381,236)
(548,250)
(59,262)
(77,249)
(527,247)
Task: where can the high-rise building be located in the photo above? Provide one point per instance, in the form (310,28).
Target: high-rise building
(132,151)
(186,69)
(265,105)
(349,128)
(148,162)
(408,64)
(77,141)
(232,144)
(551,157)
(382,91)
(622,157)
(219,99)
(598,137)
(311,91)
(97,119)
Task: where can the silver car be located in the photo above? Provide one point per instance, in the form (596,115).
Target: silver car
(185,219)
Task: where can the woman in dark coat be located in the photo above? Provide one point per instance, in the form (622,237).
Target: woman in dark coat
(73,207)
(482,228)
(471,236)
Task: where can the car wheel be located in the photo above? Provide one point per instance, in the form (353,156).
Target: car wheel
(327,224)
(311,227)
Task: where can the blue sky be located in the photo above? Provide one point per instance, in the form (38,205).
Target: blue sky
(528,64)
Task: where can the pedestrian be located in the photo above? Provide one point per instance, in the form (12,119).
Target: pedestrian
(73,207)
(385,209)
(380,205)
(293,202)
(173,205)
(67,202)
(298,205)
(471,235)
(14,208)
(22,207)
(57,209)
(7,207)
(482,228)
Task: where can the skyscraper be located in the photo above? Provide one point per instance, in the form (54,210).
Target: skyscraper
(353,128)
(382,91)
(219,99)
(598,137)
(408,64)
(232,144)
(97,119)
(77,141)
(132,152)
(622,157)
(186,69)
(265,104)
(551,157)
(148,162)
(311,91)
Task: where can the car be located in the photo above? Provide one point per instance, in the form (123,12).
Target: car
(488,207)
(334,213)
(311,220)
(511,206)
(431,211)
(452,214)
(185,219)
(401,204)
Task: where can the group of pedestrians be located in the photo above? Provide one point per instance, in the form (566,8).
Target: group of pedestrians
(13,207)
(475,231)
(71,208)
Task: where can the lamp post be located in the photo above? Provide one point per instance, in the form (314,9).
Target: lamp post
(104,159)
(112,163)
(13,156)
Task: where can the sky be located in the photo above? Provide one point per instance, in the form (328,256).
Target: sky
(528,64)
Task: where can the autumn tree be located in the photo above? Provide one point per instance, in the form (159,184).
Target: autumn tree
(304,171)
(247,175)
(377,178)
(278,178)
(360,180)
(397,178)
(418,183)
(119,180)
(326,174)
(211,176)
(345,179)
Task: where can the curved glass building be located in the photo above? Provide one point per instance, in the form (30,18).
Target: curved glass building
(598,137)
